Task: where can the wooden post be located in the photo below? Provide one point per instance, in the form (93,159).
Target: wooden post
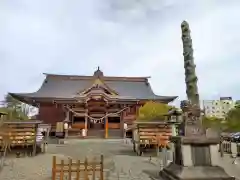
(35,141)
(78,170)
(68,116)
(86,168)
(62,170)
(123,115)
(70,168)
(106,127)
(54,162)
(121,124)
(101,168)
(94,163)
(86,122)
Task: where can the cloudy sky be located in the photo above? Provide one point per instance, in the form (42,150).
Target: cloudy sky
(124,38)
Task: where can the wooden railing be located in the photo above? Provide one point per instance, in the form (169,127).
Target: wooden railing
(77,170)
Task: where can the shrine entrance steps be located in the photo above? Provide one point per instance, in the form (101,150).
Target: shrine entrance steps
(96,134)
(92,134)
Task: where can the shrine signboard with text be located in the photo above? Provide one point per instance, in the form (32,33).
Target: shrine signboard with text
(192,118)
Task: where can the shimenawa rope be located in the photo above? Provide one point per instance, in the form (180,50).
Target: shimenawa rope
(99,120)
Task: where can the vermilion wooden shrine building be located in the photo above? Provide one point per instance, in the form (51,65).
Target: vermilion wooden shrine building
(100,104)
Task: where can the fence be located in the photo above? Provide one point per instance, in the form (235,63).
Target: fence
(228,147)
(77,170)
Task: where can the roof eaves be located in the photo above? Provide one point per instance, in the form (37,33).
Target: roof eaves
(21,96)
(23,122)
(106,78)
(31,97)
(170,98)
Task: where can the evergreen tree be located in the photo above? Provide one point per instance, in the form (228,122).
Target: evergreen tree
(153,111)
(15,109)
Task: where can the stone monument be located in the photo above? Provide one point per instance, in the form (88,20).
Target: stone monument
(196,156)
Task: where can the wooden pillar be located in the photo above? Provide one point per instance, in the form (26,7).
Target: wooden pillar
(106,127)
(35,140)
(68,116)
(86,121)
(122,123)
(71,118)
(137,110)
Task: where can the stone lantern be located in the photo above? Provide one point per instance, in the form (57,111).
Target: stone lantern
(174,117)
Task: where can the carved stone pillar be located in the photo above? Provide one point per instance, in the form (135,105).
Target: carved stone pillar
(196,154)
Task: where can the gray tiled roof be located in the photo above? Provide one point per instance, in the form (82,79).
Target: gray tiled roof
(54,87)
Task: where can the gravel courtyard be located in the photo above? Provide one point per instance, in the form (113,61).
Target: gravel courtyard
(120,162)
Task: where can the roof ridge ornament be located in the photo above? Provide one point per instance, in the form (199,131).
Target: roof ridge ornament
(99,84)
(98,72)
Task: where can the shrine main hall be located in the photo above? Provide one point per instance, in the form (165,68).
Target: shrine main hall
(99,104)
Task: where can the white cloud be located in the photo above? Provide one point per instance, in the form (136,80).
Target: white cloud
(123,37)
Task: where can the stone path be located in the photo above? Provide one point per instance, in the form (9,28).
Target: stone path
(227,163)
(120,163)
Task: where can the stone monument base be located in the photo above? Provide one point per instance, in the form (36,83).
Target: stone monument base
(195,159)
(177,172)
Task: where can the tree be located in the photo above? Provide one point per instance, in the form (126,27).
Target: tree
(233,119)
(15,109)
(153,111)
(237,104)
(213,123)
(11,102)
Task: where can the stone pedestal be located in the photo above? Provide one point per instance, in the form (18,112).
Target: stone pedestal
(195,159)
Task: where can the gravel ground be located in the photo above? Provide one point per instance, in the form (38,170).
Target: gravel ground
(120,163)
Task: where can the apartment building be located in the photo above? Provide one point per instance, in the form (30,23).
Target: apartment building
(218,108)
